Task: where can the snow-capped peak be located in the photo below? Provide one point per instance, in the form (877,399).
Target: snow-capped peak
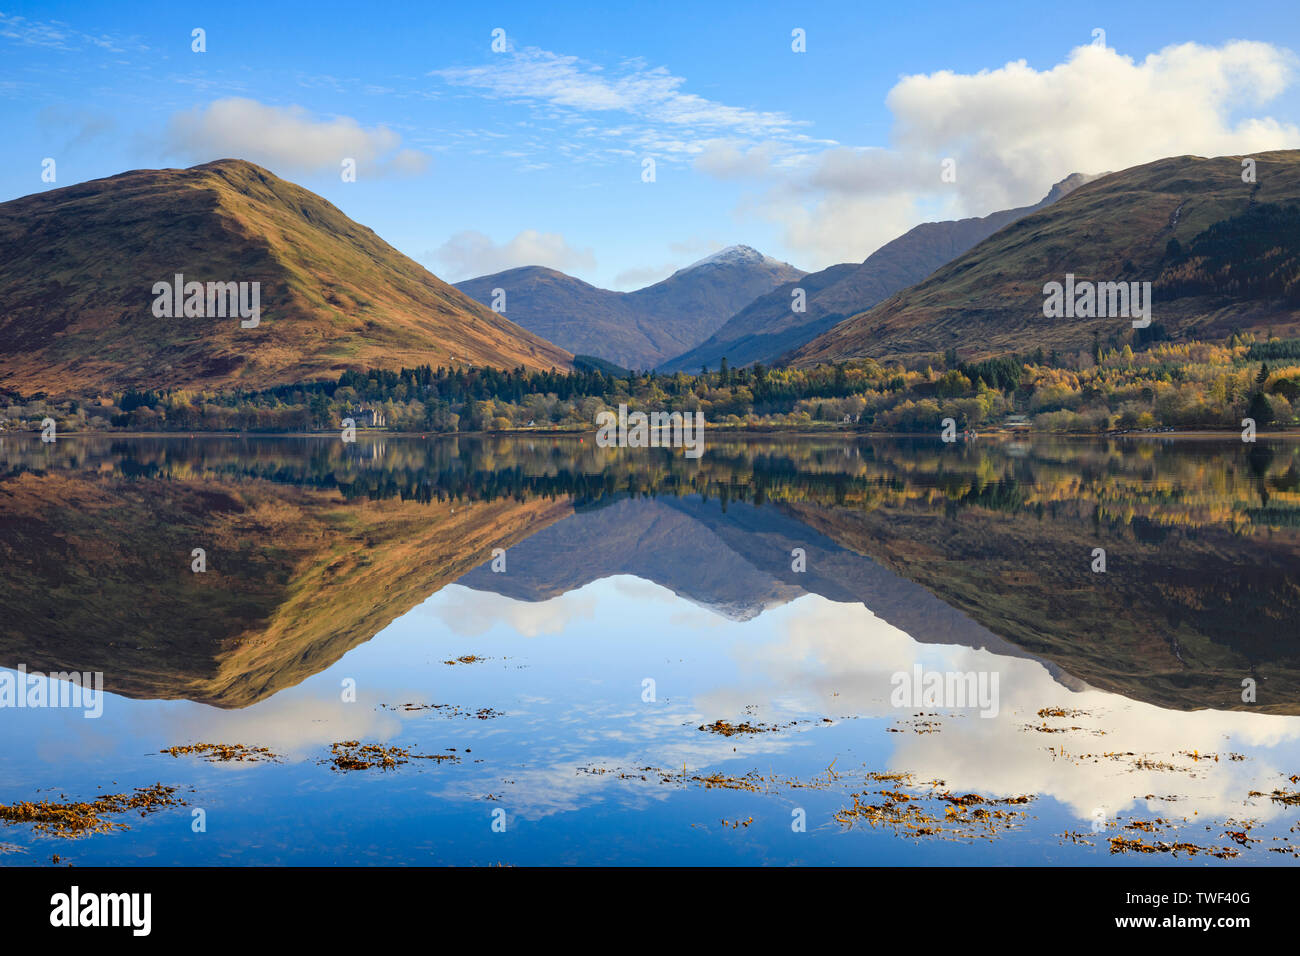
(732,255)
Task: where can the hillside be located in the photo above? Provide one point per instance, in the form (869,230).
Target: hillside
(634,329)
(768,327)
(559,307)
(1151,223)
(78,266)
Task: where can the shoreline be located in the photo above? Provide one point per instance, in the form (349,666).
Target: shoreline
(739,431)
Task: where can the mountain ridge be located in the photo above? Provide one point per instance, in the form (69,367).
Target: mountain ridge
(768,327)
(633,329)
(1141,224)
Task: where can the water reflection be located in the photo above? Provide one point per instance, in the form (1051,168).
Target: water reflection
(779,582)
(314,546)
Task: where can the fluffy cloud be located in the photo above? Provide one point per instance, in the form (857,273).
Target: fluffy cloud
(1016,130)
(466,612)
(468,254)
(288,139)
(1013,132)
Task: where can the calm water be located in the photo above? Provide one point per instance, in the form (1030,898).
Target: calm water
(778,586)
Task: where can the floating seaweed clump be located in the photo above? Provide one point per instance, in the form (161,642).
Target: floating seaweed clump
(753,782)
(967,816)
(721,781)
(1134,760)
(220,753)
(77,819)
(483,713)
(1286,797)
(354,755)
(897,777)
(917,726)
(971,799)
(1044,729)
(466,659)
(1147,826)
(1119,844)
(726,729)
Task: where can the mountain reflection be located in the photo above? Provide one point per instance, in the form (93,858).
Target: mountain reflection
(313,546)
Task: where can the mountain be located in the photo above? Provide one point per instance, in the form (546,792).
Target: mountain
(768,327)
(78,267)
(634,329)
(1221,254)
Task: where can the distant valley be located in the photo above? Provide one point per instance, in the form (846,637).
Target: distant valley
(769,326)
(641,329)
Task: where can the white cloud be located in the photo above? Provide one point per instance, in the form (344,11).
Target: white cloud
(57,35)
(1016,130)
(470,613)
(829,658)
(651,93)
(1013,132)
(288,139)
(830,227)
(655,114)
(727,159)
(469,253)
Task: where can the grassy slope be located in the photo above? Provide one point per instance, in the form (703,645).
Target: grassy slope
(77,266)
(989,301)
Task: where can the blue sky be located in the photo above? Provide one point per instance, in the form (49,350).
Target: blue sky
(471,160)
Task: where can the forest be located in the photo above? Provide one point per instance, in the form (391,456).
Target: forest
(1109,388)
